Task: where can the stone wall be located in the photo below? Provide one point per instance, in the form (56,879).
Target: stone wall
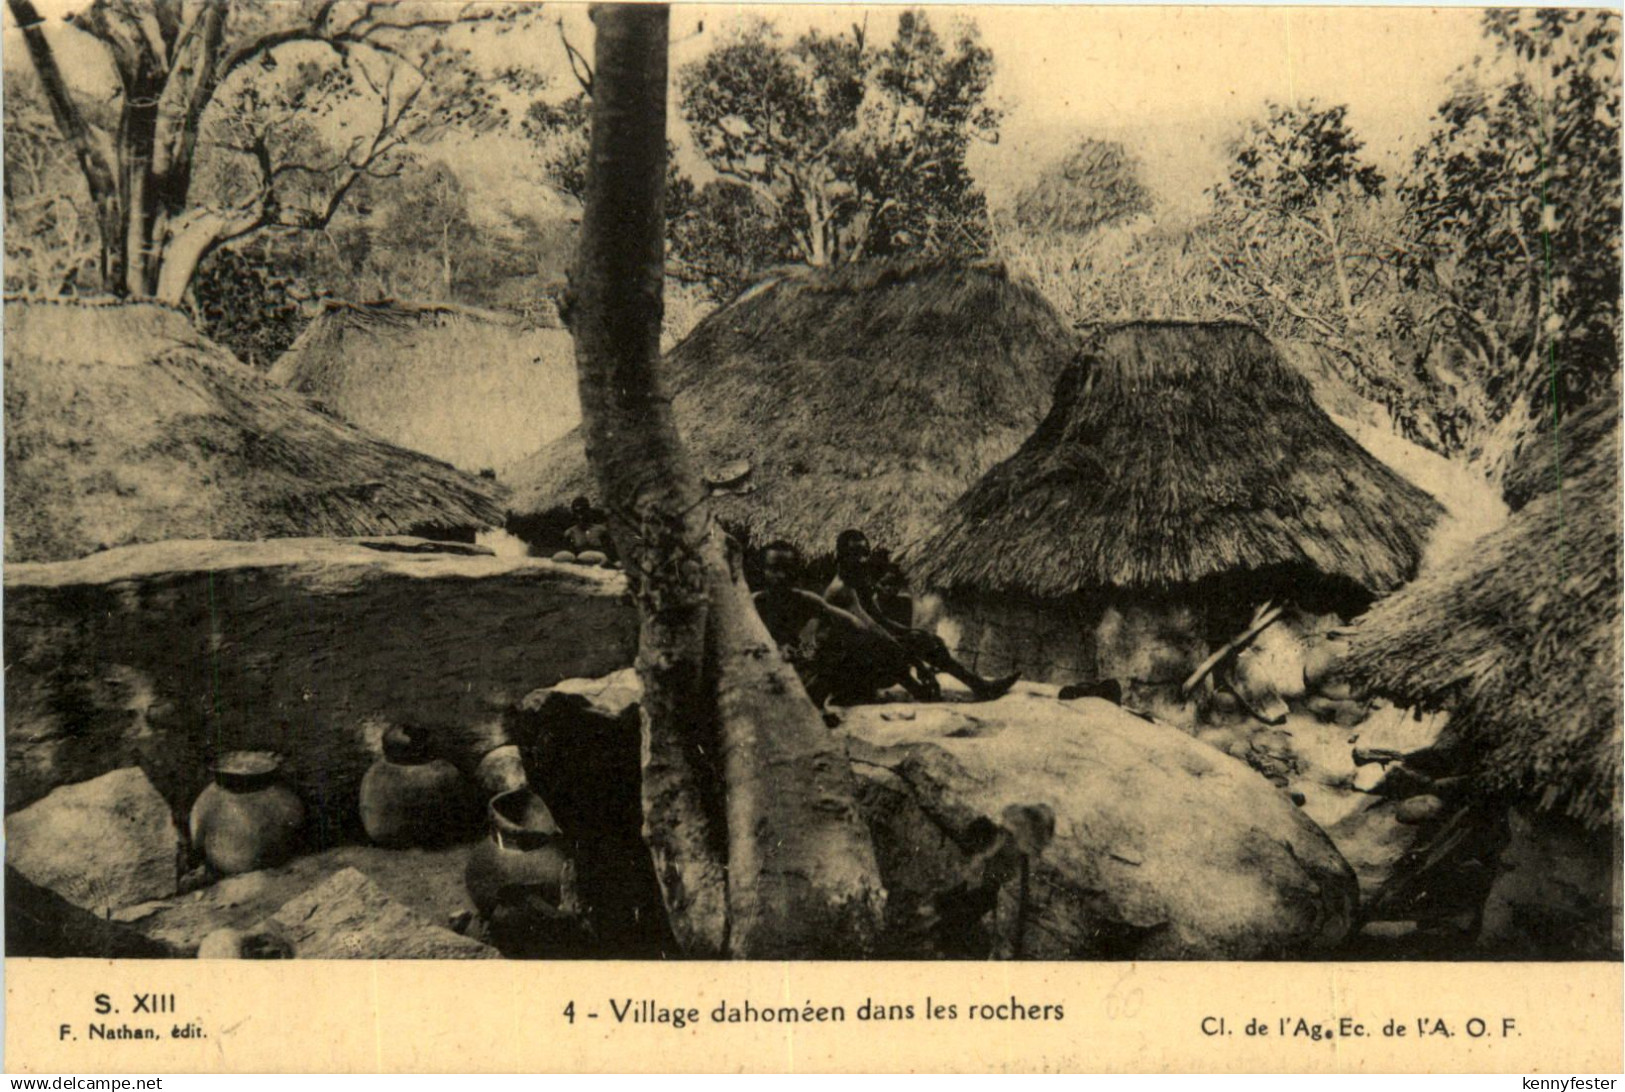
(166,655)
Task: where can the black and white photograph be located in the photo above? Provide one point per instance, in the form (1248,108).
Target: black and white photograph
(805,482)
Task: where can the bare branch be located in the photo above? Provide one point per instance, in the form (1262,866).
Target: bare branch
(314,31)
(579,67)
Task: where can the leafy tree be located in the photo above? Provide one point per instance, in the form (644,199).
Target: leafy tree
(559,131)
(380,72)
(1516,203)
(1096,185)
(725,240)
(51,238)
(428,226)
(849,149)
(1299,171)
(246,308)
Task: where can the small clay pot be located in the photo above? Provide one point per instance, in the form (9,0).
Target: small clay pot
(411,798)
(523,854)
(247,819)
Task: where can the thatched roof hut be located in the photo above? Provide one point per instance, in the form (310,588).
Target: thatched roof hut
(865,396)
(124,425)
(476,388)
(1519,639)
(1178,452)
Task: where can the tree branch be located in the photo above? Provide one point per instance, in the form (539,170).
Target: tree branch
(248,51)
(579,68)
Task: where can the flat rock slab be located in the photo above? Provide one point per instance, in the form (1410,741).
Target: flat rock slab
(350,917)
(171,653)
(1162,847)
(102,844)
(428,882)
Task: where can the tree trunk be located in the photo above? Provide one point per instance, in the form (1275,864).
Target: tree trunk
(192,238)
(139,205)
(445,262)
(800,876)
(1345,297)
(98,174)
(658,516)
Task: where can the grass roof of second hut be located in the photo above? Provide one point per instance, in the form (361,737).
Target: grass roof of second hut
(479,389)
(867,396)
(1520,639)
(124,425)
(1177,452)
(1569,448)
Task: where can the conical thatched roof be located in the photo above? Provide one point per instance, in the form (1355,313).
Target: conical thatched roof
(1177,452)
(869,397)
(1519,638)
(476,388)
(124,425)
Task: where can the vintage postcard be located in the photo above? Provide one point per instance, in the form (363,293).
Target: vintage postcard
(543,538)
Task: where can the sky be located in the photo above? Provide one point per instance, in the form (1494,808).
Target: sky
(1173,83)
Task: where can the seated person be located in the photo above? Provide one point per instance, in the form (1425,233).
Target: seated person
(839,656)
(853,591)
(588,536)
(891,588)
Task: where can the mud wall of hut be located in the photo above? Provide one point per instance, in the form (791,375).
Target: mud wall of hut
(1141,641)
(1045,641)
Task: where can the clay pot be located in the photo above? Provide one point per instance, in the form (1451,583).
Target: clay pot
(523,854)
(411,798)
(247,819)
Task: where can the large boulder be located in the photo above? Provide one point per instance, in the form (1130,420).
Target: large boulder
(102,844)
(168,654)
(1025,827)
(580,740)
(1085,832)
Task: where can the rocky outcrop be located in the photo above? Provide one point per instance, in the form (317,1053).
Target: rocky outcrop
(39,922)
(1557,894)
(1084,832)
(427,882)
(102,844)
(580,740)
(169,654)
(1025,827)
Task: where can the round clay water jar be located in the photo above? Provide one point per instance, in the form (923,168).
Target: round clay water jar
(411,798)
(247,819)
(522,852)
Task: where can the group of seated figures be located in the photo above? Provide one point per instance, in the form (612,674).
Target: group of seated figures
(857,638)
(848,644)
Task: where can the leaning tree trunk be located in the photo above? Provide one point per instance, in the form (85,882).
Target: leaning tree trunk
(92,162)
(748,807)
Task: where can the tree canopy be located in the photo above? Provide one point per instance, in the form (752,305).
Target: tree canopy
(229,120)
(1095,185)
(846,148)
